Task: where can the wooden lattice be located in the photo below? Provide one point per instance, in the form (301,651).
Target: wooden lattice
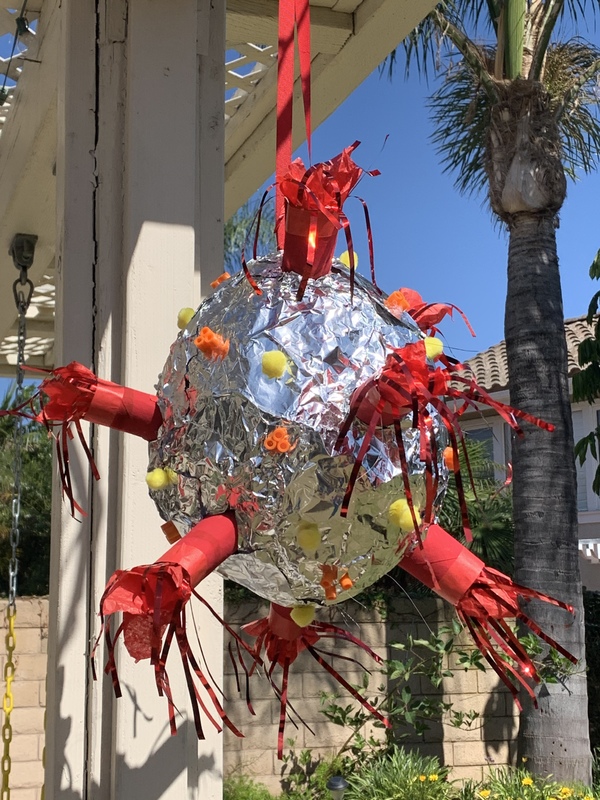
(24,49)
(245,66)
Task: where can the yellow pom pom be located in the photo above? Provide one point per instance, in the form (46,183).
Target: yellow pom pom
(345,259)
(433,347)
(400,516)
(303,615)
(184,317)
(308,537)
(274,363)
(158,479)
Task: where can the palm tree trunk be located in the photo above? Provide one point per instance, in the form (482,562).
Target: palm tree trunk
(555,738)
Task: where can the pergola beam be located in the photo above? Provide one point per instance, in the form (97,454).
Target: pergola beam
(27,161)
(256,21)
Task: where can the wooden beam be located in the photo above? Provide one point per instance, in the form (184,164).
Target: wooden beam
(27,159)
(256,21)
(379,26)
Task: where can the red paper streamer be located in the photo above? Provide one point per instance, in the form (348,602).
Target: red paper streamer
(153,598)
(72,393)
(293,14)
(483,598)
(410,384)
(281,640)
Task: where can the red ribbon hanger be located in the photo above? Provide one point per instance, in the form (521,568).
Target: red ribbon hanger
(293,15)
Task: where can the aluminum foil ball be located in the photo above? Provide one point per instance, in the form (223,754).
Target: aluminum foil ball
(252,424)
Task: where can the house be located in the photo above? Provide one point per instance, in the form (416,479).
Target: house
(489,369)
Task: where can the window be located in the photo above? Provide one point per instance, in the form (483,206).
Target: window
(578,433)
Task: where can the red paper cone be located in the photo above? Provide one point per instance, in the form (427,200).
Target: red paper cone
(72,393)
(309,242)
(314,199)
(410,384)
(484,598)
(153,600)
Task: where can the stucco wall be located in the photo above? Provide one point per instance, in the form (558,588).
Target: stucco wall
(489,741)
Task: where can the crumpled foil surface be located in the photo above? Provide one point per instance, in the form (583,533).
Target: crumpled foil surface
(217,415)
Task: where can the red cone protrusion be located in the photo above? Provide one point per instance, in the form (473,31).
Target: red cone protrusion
(73,393)
(484,598)
(153,601)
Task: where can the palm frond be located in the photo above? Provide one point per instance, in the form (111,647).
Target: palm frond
(444,29)
(460,110)
(551,12)
(571,76)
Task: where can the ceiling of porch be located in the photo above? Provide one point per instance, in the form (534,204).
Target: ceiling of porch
(349,39)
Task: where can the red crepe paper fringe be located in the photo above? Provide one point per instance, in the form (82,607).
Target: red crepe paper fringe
(317,194)
(154,617)
(278,651)
(484,598)
(409,385)
(62,401)
(426,315)
(495,639)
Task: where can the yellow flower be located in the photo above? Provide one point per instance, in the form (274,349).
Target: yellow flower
(422,778)
(433,777)
(588,797)
(565,791)
(527,781)
(485,793)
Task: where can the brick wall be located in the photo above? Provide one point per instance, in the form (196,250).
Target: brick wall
(489,741)
(29,692)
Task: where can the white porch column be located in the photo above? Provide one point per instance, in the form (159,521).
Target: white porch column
(140,135)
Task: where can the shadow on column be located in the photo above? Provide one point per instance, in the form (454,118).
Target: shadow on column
(150,780)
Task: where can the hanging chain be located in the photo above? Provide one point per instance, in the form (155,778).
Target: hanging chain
(22,291)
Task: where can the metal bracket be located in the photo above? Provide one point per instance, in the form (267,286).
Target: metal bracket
(22,251)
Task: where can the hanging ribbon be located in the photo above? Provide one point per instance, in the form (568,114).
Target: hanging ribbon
(293,15)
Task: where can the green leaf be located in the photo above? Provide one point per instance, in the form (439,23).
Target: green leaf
(593,307)
(595,266)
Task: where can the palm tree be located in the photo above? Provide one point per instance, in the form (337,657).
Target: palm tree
(515,115)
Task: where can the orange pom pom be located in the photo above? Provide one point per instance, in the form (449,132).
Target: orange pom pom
(222,277)
(211,344)
(396,303)
(346,581)
(449,459)
(278,440)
